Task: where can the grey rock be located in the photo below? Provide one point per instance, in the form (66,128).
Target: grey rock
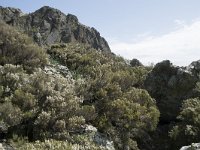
(4,146)
(193,146)
(103,141)
(90,128)
(170,85)
(1,146)
(49,26)
(194,67)
(10,15)
(99,138)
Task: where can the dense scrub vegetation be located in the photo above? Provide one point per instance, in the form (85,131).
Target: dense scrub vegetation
(41,105)
(72,96)
(109,87)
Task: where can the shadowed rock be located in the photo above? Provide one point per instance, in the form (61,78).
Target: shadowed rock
(170,85)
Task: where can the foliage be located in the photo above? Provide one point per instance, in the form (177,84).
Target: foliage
(108,88)
(134,63)
(134,111)
(17,48)
(188,130)
(50,96)
(40,104)
(169,85)
(90,63)
(58,145)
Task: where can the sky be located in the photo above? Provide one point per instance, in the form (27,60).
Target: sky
(149,30)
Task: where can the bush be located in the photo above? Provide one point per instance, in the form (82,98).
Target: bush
(38,105)
(59,145)
(18,49)
(135,110)
(187,131)
(107,86)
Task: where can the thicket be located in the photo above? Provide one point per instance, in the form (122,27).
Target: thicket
(37,105)
(42,108)
(122,111)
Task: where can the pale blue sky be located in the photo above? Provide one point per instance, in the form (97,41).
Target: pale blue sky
(132,23)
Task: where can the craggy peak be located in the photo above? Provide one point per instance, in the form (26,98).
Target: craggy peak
(50,26)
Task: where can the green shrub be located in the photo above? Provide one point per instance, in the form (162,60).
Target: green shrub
(38,105)
(187,131)
(107,86)
(18,49)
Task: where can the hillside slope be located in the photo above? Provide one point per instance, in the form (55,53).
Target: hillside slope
(62,88)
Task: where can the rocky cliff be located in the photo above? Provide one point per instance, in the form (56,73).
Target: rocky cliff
(49,26)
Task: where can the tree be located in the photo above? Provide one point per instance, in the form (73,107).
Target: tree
(135,63)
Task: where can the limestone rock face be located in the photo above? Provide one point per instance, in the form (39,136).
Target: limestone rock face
(170,85)
(48,26)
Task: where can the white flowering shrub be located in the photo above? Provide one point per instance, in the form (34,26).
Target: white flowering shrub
(47,144)
(19,49)
(58,145)
(40,105)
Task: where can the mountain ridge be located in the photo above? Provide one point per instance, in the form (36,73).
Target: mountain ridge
(48,26)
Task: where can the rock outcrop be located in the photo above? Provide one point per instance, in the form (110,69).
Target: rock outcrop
(4,146)
(98,138)
(48,26)
(193,146)
(194,67)
(170,85)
